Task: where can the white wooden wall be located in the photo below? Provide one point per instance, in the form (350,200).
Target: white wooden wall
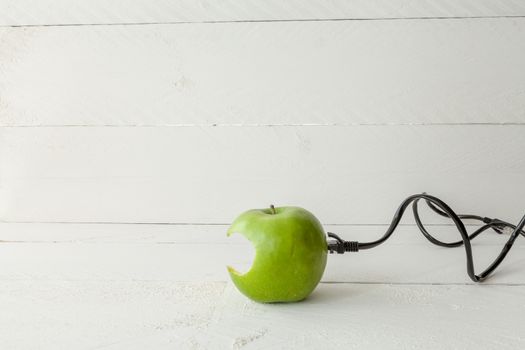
(194,122)
(147,126)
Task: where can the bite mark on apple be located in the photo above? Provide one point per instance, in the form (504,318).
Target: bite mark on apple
(244,254)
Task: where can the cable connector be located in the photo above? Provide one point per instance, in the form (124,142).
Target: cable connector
(340,246)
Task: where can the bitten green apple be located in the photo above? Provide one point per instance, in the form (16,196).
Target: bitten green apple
(290,254)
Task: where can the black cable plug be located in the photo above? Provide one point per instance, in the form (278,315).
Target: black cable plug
(341,246)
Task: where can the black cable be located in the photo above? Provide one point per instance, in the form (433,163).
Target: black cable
(441,208)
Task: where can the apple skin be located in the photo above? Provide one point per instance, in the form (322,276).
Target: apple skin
(290,254)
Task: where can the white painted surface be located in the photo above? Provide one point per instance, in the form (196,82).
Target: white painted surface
(343,72)
(46,12)
(212,315)
(144,286)
(344,107)
(355,174)
(201,252)
(346,316)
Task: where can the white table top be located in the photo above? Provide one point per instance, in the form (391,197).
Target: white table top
(67,286)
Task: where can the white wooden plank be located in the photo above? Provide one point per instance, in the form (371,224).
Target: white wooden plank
(352,175)
(214,234)
(109,315)
(49,12)
(409,263)
(336,72)
(375,317)
(163,315)
(142,252)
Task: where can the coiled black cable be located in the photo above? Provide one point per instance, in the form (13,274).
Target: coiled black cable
(441,208)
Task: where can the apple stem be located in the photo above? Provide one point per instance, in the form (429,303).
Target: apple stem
(272,208)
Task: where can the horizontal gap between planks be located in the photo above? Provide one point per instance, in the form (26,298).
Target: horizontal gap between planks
(196,223)
(428,283)
(111,242)
(121,242)
(263,21)
(466,284)
(228,125)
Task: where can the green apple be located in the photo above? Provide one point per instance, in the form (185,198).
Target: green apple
(290,254)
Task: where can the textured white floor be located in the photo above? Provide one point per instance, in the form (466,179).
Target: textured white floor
(67,286)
